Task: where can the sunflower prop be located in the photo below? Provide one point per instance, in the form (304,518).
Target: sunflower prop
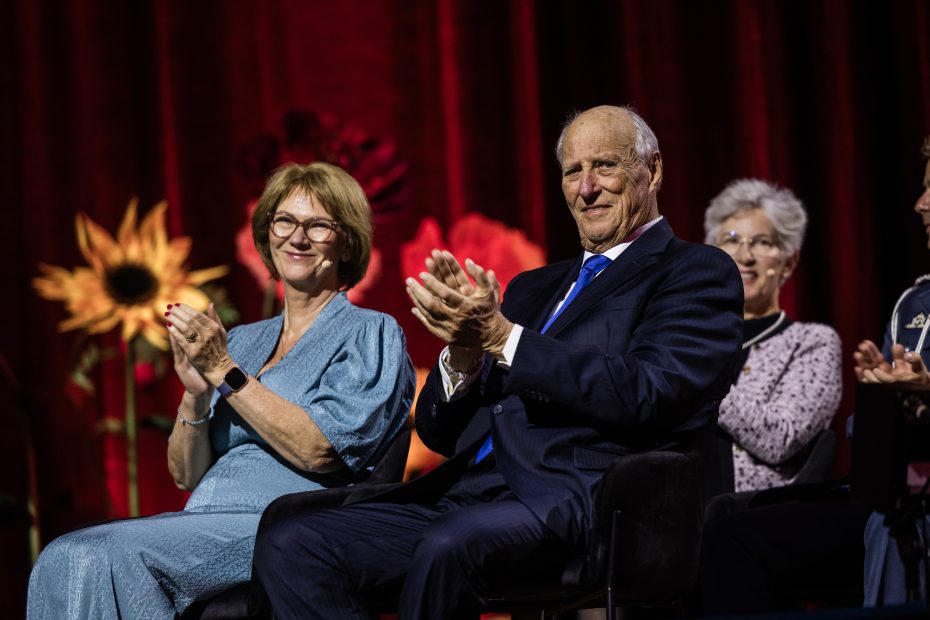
(129,281)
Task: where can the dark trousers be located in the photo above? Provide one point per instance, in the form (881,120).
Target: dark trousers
(766,559)
(438,561)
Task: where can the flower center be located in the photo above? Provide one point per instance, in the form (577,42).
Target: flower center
(132,284)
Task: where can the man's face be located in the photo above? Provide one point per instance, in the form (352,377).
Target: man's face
(923,203)
(608,190)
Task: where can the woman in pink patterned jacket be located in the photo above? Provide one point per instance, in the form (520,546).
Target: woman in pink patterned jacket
(789,386)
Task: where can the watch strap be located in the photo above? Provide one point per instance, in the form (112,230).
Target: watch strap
(234,381)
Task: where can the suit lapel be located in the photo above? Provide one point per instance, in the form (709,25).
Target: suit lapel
(640,255)
(533,310)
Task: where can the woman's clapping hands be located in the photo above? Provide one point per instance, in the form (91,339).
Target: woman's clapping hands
(201,340)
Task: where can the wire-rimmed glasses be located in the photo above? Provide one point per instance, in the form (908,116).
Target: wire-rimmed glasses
(317,229)
(759,245)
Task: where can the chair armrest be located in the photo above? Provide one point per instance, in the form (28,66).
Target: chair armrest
(815,491)
(727,503)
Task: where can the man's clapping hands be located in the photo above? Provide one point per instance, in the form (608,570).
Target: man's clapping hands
(908,367)
(467,317)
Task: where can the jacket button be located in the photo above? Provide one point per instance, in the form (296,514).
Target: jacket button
(433,410)
(497,409)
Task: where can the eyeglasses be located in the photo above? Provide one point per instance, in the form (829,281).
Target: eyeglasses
(317,229)
(759,245)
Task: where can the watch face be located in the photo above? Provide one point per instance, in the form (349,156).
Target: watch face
(236,379)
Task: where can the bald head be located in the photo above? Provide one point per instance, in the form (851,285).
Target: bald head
(644,142)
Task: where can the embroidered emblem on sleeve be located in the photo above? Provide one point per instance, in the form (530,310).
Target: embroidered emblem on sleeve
(917,322)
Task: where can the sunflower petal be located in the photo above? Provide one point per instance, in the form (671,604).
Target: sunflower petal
(96,244)
(54,284)
(152,231)
(156,334)
(205,275)
(105,325)
(128,236)
(174,255)
(132,322)
(192,297)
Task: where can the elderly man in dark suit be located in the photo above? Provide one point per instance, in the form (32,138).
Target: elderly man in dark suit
(627,348)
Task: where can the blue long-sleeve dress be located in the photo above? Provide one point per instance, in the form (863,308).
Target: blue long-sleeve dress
(350,371)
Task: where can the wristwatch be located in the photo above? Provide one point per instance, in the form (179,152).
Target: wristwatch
(234,381)
(458,375)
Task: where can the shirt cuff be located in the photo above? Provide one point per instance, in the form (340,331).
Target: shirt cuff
(452,390)
(510,347)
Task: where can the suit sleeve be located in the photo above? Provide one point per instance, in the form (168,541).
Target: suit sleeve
(440,423)
(678,356)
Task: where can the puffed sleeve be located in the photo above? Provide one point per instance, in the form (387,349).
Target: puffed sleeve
(365,393)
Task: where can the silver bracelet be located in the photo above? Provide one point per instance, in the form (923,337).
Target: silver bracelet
(186,421)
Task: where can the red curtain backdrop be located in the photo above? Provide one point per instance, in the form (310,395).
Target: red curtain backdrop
(103,101)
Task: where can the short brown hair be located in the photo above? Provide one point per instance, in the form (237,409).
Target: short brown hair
(338,193)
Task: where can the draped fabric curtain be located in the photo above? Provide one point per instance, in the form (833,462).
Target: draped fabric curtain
(103,101)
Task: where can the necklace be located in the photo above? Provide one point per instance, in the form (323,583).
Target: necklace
(753,341)
(281,357)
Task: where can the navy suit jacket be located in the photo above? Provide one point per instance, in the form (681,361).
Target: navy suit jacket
(639,361)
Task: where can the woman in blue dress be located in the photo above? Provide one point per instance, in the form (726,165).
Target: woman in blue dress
(307,400)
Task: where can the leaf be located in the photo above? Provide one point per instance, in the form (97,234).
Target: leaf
(111,426)
(145,351)
(82,381)
(224,308)
(161,423)
(160,366)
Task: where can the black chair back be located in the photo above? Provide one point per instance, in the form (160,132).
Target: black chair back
(818,462)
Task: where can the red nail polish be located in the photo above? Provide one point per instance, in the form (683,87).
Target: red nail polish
(167,323)
(167,314)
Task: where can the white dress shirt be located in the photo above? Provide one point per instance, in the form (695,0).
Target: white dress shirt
(452,389)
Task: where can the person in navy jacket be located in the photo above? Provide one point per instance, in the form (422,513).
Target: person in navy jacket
(903,359)
(627,348)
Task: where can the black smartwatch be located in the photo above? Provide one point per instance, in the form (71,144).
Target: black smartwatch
(234,381)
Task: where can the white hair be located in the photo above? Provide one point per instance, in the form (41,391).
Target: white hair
(779,204)
(646,141)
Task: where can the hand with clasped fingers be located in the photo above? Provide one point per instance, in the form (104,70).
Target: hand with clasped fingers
(468,318)
(908,368)
(201,338)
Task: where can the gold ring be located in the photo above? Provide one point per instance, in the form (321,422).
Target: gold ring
(191,337)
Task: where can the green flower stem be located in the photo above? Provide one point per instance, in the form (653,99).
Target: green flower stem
(270,297)
(131,457)
(35,543)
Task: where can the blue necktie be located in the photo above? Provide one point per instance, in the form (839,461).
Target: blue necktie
(591,268)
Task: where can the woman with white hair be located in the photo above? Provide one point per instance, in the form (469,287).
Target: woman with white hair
(789,385)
